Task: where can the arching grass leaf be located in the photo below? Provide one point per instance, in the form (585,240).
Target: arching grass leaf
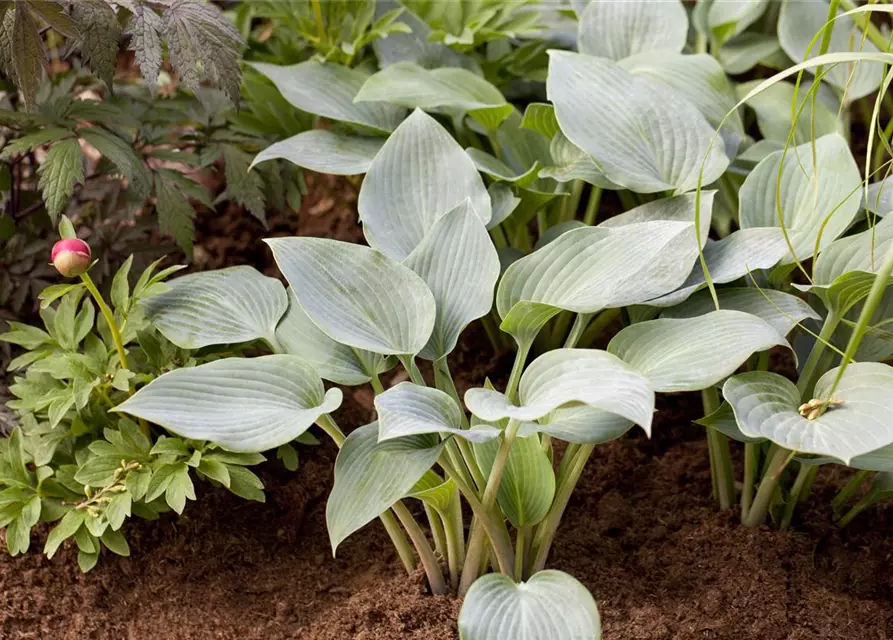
(325,152)
(242,404)
(419,175)
(798,22)
(773,109)
(617,30)
(781,311)
(563,376)
(232,305)
(665,352)
(328,90)
(766,405)
(643,137)
(409,410)
(527,486)
(459,263)
(356,295)
(370,476)
(297,335)
(550,605)
(808,197)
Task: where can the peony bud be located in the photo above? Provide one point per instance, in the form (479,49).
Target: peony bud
(71,257)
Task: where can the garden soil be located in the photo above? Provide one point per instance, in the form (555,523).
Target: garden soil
(641,531)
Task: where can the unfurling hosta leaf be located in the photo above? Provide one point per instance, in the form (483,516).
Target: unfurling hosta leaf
(694,353)
(356,295)
(821,200)
(503,203)
(857,422)
(298,336)
(406,84)
(799,22)
(328,90)
(434,492)
(594,378)
(549,606)
(232,305)
(325,152)
(370,476)
(699,79)
(540,117)
(618,30)
(242,404)
(781,310)
(747,50)
(723,420)
(527,487)
(100,33)
(458,262)
(645,253)
(729,259)
(62,168)
(641,136)
(201,40)
(410,410)
(419,175)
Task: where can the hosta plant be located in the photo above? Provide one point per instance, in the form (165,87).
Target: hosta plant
(73,462)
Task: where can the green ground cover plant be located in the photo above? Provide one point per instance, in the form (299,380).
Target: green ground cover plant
(747,225)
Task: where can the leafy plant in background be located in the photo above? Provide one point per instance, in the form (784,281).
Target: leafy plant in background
(73,462)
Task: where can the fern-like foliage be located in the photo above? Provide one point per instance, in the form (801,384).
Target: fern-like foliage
(201,42)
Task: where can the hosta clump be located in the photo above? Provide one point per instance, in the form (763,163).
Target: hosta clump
(73,461)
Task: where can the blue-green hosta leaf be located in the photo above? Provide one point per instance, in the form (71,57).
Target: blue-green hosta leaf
(773,109)
(356,295)
(419,175)
(572,163)
(590,377)
(496,168)
(523,149)
(328,90)
(879,198)
(549,606)
(828,195)
(862,252)
(242,404)
(339,363)
(448,88)
(699,79)
(617,30)
(325,152)
(410,410)
(583,425)
(745,51)
(641,136)
(527,487)
(723,420)
(844,272)
(798,22)
(729,259)
(370,476)
(646,253)
(232,305)
(693,353)
(458,262)
(503,202)
(766,405)
(781,310)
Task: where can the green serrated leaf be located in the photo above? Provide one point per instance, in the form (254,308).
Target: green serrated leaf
(63,167)
(33,140)
(175,214)
(101,33)
(144,30)
(121,153)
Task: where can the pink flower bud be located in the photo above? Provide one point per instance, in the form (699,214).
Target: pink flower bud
(71,257)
